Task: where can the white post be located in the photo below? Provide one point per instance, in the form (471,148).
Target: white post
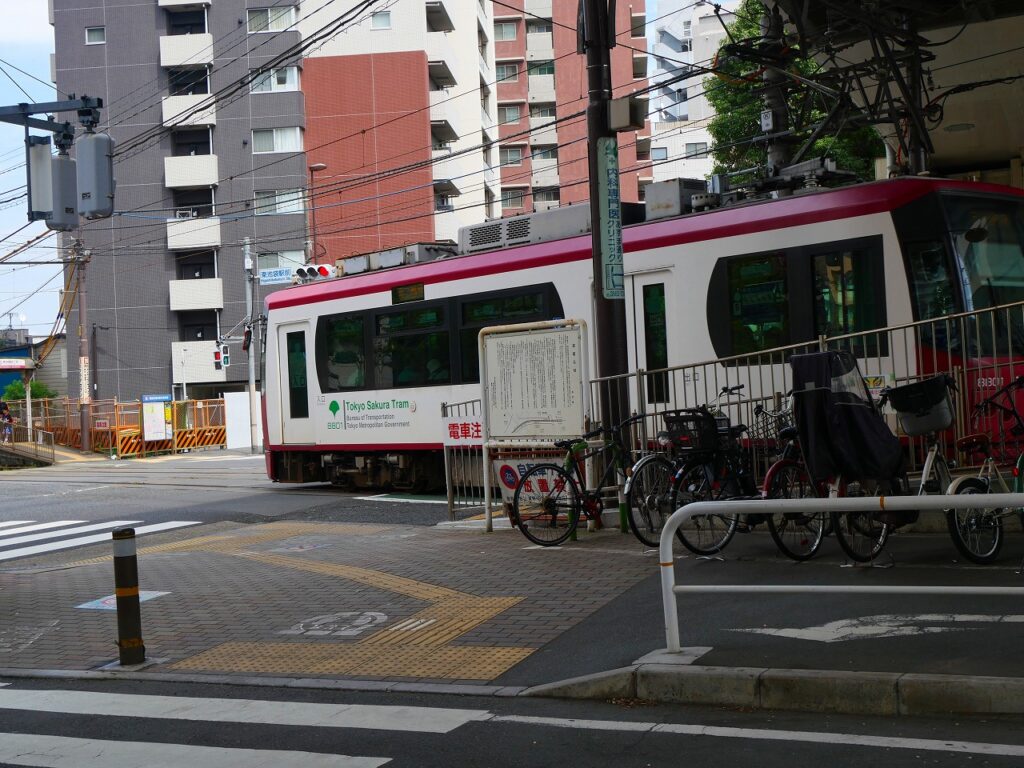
(29,375)
(254,419)
(184,377)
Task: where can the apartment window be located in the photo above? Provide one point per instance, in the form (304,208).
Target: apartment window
(685,45)
(380,20)
(278,79)
(188,82)
(443,203)
(187,23)
(681,95)
(504,30)
(277,140)
(278,201)
(545,152)
(538,26)
(281,260)
(508,114)
(545,196)
(546,67)
(508,71)
(659,153)
(512,198)
(510,155)
(271,19)
(542,110)
(697,151)
(95,35)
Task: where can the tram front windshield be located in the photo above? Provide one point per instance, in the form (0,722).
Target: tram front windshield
(988,236)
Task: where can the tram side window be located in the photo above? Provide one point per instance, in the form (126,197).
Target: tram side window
(656,341)
(845,299)
(412,348)
(497,310)
(344,364)
(298,397)
(758,313)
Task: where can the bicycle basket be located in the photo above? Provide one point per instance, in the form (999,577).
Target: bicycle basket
(693,429)
(923,406)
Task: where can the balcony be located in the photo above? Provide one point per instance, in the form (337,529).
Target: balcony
(544,205)
(537,8)
(639,65)
(193,234)
(178,111)
(541,89)
(486,73)
(487,125)
(189,295)
(544,173)
(539,46)
(492,179)
(543,131)
(183,4)
(442,132)
(441,73)
(192,362)
(438,18)
(186,51)
(190,172)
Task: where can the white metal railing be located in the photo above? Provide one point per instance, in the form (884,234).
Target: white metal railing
(669,588)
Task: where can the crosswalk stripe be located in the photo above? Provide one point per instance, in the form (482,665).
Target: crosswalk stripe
(5,542)
(82,541)
(38,527)
(9,523)
(68,752)
(371,716)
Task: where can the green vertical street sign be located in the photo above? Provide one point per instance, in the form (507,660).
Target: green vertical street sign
(610,218)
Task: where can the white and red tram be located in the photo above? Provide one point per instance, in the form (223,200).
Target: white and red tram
(356,368)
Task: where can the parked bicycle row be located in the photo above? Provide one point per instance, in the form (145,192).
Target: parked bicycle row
(830,439)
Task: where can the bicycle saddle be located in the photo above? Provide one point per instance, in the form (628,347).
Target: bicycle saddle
(788,433)
(976,443)
(737,430)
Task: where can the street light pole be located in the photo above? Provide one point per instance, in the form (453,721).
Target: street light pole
(312,207)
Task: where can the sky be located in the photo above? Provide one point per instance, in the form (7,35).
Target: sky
(32,292)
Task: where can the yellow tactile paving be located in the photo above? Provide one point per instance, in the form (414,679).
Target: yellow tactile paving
(442,622)
(232,543)
(419,590)
(447,662)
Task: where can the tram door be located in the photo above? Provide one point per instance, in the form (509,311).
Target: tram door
(648,332)
(293,342)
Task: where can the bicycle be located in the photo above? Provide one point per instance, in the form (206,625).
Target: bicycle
(978,533)
(549,498)
(710,466)
(798,535)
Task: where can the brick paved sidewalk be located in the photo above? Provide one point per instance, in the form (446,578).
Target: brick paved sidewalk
(378,602)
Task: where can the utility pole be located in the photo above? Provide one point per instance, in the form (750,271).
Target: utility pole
(250,289)
(596,36)
(81,258)
(774,118)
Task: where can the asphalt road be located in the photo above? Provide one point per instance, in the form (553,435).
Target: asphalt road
(121,724)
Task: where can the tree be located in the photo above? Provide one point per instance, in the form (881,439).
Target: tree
(16,391)
(735,94)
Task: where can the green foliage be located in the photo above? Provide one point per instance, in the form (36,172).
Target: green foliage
(735,95)
(16,391)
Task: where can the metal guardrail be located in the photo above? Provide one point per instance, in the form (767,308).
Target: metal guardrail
(938,503)
(38,445)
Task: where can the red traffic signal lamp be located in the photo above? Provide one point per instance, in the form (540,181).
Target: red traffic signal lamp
(218,364)
(313,272)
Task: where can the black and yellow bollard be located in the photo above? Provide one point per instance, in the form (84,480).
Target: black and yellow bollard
(126,590)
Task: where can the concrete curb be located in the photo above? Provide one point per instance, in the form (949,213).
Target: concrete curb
(838,691)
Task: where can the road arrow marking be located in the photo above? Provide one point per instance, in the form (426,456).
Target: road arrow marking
(886,625)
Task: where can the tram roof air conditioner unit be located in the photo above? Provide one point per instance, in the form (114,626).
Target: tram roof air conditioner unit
(558,223)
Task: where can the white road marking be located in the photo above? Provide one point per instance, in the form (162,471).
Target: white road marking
(82,541)
(9,523)
(66,752)
(382,718)
(813,737)
(411,625)
(886,625)
(389,497)
(38,527)
(5,542)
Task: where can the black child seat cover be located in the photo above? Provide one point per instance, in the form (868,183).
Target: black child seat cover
(841,431)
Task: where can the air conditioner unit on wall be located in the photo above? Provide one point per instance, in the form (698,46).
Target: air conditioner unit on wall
(185,213)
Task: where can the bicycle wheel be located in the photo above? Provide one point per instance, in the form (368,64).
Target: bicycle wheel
(860,534)
(798,535)
(701,534)
(649,499)
(546,505)
(977,533)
